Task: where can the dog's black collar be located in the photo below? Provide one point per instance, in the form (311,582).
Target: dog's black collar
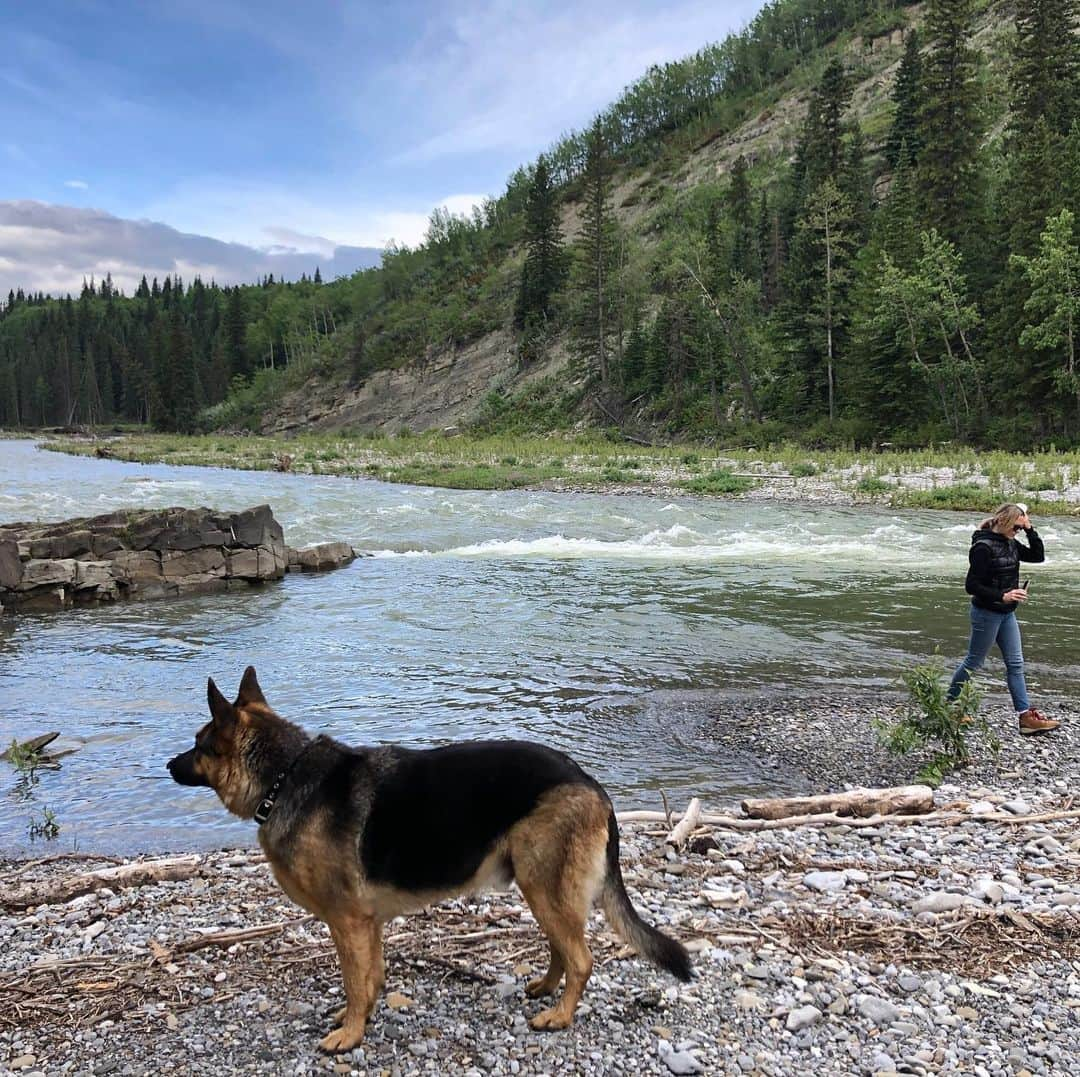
(266,805)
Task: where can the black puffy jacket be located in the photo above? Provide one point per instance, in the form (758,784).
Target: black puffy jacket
(994,566)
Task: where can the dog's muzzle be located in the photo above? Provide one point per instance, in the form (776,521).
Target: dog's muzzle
(182,769)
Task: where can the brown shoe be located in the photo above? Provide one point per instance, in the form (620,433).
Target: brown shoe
(1031,721)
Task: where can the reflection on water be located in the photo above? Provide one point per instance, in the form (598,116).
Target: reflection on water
(604,625)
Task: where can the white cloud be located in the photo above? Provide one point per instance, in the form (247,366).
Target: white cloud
(252,213)
(77,184)
(54,248)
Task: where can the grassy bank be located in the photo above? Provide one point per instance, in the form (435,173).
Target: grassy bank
(951,478)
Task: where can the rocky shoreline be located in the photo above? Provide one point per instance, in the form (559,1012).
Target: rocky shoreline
(147,554)
(921,945)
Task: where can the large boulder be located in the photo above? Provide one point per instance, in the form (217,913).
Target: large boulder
(148,554)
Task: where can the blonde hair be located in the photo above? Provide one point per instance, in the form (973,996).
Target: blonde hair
(1008,513)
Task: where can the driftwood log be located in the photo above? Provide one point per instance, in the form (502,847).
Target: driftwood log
(861,803)
(934,818)
(141,873)
(31,746)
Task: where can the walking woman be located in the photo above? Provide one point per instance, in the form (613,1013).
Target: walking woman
(993,581)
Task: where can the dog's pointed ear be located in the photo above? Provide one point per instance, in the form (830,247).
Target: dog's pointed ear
(221,709)
(250,692)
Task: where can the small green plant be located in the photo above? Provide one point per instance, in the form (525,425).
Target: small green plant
(1037,483)
(44,826)
(872,485)
(803,469)
(933,720)
(23,757)
(719,482)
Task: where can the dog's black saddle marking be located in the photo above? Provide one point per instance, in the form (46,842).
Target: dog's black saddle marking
(435,814)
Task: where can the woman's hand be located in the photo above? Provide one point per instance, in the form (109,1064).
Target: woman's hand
(1017,594)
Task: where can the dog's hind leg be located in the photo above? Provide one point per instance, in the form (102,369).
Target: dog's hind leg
(564,927)
(358,941)
(557,853)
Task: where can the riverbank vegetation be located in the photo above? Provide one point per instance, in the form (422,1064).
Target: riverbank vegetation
(943,478)
(887,251)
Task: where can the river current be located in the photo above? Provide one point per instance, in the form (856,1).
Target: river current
(608,626)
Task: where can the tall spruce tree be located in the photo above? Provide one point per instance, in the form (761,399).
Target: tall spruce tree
(235,334)
(745,254)
(1045,76)
(595,265)
(904,133)
(179,389)
(950,124)
(545,265)
(826,227)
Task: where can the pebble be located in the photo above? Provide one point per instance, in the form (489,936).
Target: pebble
(825,881)
(679,1061)
(878,1010)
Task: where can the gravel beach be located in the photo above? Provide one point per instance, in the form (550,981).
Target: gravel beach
(946,945)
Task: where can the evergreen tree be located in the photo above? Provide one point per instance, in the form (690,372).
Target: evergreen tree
(880,383)
(10,413)
(635,359)
(745,257)
(769,243)
(178,388)
(1045,76)
(855,184)
(595,265)
(828,228)
(950,124)
(904,133)
(545,265)
(928,311)
(235,334)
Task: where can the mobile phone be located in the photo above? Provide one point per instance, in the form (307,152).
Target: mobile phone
(1024,584)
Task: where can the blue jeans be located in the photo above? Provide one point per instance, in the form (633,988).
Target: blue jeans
(988,628)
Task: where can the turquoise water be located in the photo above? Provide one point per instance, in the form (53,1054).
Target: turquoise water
(604,625)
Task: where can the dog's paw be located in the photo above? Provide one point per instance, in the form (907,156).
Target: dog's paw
(339,1015)
(541,986)
(551,1020)
(342,1039)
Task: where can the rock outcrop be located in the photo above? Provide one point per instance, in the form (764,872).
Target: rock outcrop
(150,554)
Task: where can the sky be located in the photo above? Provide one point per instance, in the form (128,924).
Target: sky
(232,139)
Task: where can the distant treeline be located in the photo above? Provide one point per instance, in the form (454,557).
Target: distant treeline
(913,275)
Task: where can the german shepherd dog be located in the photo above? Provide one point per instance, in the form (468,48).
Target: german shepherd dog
(358,836)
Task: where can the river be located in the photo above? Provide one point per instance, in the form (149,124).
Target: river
(604,625)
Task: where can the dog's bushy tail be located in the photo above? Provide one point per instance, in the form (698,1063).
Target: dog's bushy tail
(653,945)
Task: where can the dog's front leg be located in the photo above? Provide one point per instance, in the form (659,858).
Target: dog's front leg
(359,947)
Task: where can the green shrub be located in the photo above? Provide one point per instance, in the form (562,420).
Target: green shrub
(719,482)
(872,485)
(931,719)
(803,469)
(963,496)
(1046,481)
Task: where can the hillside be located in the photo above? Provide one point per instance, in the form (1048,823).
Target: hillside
(444,388)
(852,222)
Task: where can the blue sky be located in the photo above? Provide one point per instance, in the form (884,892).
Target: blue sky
(291,129)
